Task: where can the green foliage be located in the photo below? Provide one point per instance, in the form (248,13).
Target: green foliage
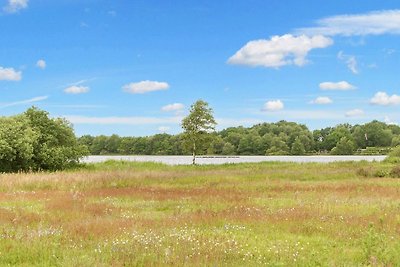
(395,152)
(197,126)
(17,142)
(33,141)
(345,146)
(262,139)
(298,147)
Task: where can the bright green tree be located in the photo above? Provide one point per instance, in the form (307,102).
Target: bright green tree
(56,146)
(197,126)
(17,140)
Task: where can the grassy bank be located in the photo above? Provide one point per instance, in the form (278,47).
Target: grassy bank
(146,214)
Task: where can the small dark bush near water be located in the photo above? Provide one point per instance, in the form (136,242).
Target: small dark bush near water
(395,172)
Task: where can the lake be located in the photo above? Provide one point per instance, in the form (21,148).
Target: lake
(186,160)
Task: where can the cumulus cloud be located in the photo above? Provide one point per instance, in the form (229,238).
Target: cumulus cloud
(75,89)
(383,99)
(341,86)
(279,51)
(9,74)
(273,105)
(350,61)
(177,107)
(355,113)
(372,23)
(13,6)
(145,87)
(322,100)
(41,64)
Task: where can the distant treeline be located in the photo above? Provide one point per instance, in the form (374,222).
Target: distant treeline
(281,138)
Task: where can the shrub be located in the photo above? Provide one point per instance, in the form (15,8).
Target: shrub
(381,173)
(33,141)
(395,153)
(364,172)
(395,172)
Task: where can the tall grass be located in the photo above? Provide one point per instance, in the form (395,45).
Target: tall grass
(149,214)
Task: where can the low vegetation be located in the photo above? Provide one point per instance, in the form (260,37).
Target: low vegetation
(148,214)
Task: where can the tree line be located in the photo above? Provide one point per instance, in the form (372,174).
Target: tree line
(280,138)
(34,141)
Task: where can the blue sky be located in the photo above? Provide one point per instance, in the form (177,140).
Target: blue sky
(135,67)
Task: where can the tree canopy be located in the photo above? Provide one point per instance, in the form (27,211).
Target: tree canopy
(197,126)
(279,138)
(34,141)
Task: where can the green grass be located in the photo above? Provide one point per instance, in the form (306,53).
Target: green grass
(149,214)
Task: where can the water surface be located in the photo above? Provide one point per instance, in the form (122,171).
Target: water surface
(185,160)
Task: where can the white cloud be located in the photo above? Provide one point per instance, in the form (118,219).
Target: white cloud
(383,99)
(322,100)
(341,86)
(145,87)
(355,113)
(279,51)
(41,64)
(373,23)
(23,102)
(388,121)
(177,107)
(350,61)
(9,74)
(76,89)
(163,129)
(273,105)
(123,120)
(13,6)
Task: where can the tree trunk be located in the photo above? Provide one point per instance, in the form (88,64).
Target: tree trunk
(194,153)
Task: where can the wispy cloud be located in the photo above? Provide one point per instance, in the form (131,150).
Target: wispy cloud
(279,51)
(164,129)
(76,90)
(175,107)
(123,120)
(14,6)
(350,61)
(24,102)
(79,106)
(372,23)
(355,113)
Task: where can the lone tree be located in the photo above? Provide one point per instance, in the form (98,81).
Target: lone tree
(197,126)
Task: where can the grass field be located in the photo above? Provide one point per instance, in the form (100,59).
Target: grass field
(146,214)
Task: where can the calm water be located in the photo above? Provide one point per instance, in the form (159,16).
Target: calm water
(175,160)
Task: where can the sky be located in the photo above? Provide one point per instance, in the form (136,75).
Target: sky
(134,67)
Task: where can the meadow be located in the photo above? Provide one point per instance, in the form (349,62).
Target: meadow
(249,214)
